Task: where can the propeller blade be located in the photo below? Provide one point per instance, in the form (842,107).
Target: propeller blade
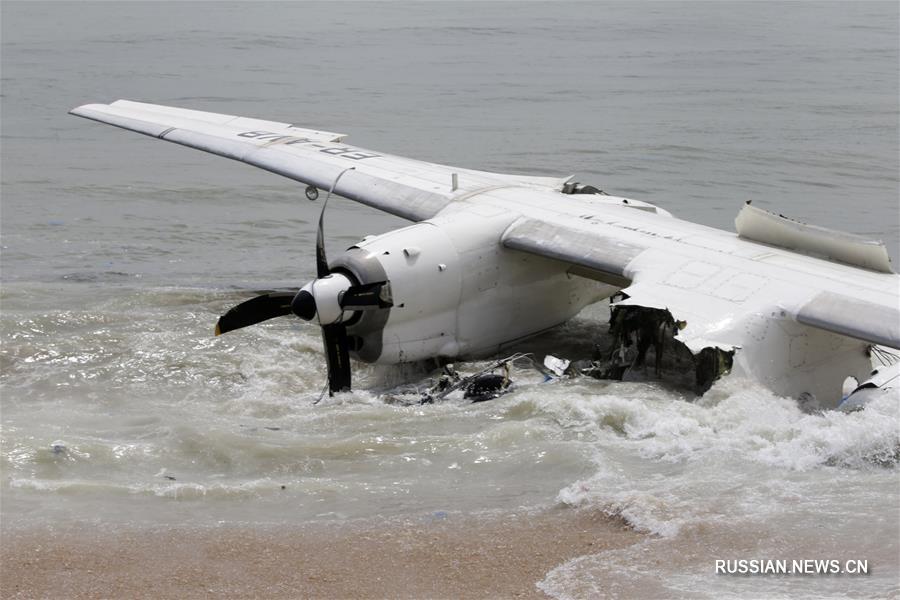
(322,269)
(256,310)
(337,357)
(368,297)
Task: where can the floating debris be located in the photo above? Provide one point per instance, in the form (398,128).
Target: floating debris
(487,386)
(165,475)
(478,387)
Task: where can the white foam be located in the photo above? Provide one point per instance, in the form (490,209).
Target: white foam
(739,469)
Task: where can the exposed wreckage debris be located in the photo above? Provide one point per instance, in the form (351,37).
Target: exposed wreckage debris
(639,334)
(480,386)
(642,344)
(640,339)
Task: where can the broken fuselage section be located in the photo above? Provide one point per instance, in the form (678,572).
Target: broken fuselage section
(646,343)
(796,351)
(643,342)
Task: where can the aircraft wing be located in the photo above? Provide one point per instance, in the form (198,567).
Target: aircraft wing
(411,189)
(725,289)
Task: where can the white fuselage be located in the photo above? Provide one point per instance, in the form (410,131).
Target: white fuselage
(458,292)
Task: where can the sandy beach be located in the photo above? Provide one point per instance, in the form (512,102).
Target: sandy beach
(438,556)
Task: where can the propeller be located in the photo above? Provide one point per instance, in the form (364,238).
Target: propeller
(329,297)
(259,309)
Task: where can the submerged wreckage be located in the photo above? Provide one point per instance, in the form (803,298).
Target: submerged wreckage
(492,258)
(487,384)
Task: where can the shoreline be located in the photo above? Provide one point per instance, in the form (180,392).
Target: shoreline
(448,556)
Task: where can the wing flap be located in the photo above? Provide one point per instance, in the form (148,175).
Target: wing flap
(777,230)
(603,258)
(852,317)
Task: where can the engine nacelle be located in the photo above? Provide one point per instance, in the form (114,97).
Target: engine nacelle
(457,292)
(884,382)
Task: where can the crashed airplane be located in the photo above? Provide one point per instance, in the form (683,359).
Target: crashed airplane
(494,258)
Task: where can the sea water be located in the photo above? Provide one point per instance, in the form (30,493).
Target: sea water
(119,253)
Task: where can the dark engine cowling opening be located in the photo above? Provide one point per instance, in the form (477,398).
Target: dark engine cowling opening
(364,328)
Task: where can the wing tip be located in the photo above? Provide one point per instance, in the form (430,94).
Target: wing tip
(99,106)
(87,110)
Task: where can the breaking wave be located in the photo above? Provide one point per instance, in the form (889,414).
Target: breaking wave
(739,473)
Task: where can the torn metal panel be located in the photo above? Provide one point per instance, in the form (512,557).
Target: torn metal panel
(710,321)
(639,332)
(777,230)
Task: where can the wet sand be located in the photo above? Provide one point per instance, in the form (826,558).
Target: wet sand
(438,556)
